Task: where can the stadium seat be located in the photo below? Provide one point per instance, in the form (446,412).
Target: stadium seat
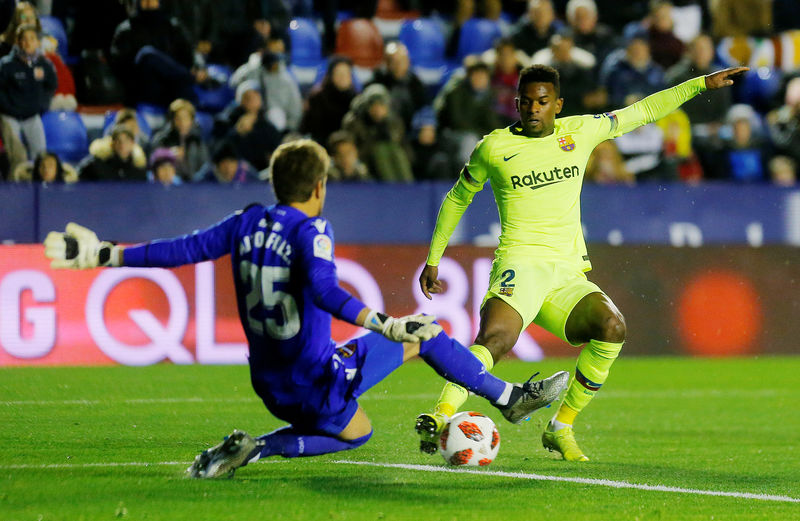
(206,123)
(360,40)
(306,43)
(219,72)
(477,35)
(155,115)
(65,134)
(758,88)
(144,126)
(425,41)
(214,100)
(52,26)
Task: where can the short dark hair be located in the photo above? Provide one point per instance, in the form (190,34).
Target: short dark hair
(119,130)
(539,73)
(223,151)
(339,137)
(296,167)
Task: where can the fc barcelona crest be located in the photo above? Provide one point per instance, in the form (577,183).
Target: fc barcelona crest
(566,143)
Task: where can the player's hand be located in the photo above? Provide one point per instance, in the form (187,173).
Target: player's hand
(723,78)
(429,281)
(79,248)
(411,328)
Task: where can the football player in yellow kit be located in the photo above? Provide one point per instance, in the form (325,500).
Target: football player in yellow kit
(536,168)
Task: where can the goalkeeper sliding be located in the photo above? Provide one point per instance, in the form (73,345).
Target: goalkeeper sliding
(536,168)
(286,292)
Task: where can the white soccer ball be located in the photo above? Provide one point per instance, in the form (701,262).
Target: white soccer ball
(471,438)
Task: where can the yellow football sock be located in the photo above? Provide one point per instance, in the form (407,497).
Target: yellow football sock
(591,371)
(453,395)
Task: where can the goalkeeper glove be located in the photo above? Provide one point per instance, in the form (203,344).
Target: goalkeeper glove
(79,248)
(411,328)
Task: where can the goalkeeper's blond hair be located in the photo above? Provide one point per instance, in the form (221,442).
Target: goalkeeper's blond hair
(296,167)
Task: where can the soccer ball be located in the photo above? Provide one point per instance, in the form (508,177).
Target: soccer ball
(470,438)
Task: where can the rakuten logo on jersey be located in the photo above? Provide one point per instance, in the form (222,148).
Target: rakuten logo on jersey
(536,180)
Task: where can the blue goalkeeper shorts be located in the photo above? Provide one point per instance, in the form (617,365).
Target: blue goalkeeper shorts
(353,369)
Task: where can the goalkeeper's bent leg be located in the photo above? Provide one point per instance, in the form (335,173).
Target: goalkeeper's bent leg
(290,443)
(453,395)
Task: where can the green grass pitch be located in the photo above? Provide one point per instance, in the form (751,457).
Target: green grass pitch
(112,443)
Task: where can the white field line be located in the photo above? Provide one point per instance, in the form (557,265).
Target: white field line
(431,468)
(582,481)
(610,394)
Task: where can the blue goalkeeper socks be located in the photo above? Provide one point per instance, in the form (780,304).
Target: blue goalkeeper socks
(289,443)
(457,364)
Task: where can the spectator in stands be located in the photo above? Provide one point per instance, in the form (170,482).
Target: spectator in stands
(458,13)
(329,101)
(465,108)
(127,118)
(245,125)
(706,111)
(784,122)
(277,87)
(164,168)
(27,83)
(183,137)
(506,64)
(606,165)
(198,17)
(783,171)
(574,66)
(25,13)
(405,89)
(242,28)
(226,167)
(631,71)
(744,153)
(665,48)
(153,57)
(116,164)
(588,33)
(533,31)
(12,151)
(678,153)
(345,164)
(741,18)
(644,151)
(432,156)
(379,134)
(709,107)
(47,168)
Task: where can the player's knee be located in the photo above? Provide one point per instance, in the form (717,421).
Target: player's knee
(610,327)
(357,442)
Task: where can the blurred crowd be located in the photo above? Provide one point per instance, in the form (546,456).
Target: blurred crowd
(181,91)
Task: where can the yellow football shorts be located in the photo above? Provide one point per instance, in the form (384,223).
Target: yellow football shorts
(541,291)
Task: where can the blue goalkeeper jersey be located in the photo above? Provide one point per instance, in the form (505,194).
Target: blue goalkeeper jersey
(286,291)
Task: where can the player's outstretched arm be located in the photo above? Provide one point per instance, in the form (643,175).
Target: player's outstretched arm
(79,248)
(723,78)
(656,106)
(411,328)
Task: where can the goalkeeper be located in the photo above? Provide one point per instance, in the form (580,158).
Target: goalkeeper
(536,168)
(286,291)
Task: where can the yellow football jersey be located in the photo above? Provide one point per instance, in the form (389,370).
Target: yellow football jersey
(537,184)
(537,181)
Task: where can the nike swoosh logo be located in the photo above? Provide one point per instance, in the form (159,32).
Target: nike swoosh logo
(535,187)
(509,157)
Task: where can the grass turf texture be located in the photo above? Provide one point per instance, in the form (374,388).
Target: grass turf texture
(727,425)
